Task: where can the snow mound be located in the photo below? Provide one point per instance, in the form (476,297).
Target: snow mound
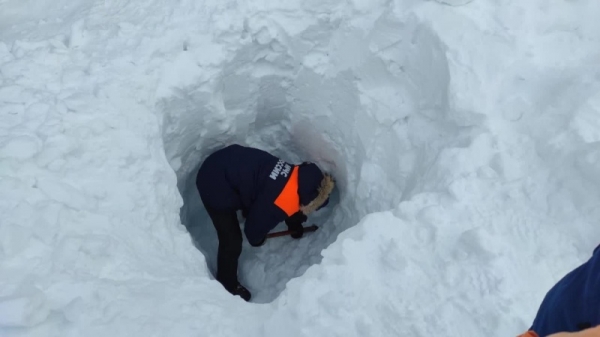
(357,102)
(463,139)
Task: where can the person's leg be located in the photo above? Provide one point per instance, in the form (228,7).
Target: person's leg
(230,248)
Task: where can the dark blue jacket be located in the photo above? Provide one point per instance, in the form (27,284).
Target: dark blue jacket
(248,179)
(573,304)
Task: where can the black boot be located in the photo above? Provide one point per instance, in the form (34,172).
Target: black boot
(241,291)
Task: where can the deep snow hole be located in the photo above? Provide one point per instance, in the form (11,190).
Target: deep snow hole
(369,107)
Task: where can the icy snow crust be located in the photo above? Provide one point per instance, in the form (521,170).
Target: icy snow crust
(464,140)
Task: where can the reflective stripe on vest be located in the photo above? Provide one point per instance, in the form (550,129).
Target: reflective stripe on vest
(289,200)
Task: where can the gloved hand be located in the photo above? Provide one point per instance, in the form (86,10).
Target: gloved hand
(294,224)
(259,243)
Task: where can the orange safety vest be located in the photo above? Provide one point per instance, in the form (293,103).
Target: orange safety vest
(289,200)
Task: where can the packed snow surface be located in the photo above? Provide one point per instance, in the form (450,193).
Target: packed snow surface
(464,137)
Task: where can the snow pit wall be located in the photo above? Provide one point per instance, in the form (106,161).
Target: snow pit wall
(90,243)
(369,106)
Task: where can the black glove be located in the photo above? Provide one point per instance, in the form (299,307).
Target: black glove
(294,224)
(259,243)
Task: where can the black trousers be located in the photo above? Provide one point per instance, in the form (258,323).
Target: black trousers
(230,246)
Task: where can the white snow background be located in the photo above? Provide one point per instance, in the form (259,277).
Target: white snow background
(464,137)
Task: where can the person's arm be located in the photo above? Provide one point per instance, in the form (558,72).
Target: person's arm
(594,332)
(260,221)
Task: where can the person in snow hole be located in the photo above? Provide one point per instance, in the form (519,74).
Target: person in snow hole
(267,190)
(572,307)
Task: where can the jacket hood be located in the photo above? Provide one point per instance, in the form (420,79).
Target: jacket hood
(314,188)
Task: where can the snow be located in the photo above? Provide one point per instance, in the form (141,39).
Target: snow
(463,136)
